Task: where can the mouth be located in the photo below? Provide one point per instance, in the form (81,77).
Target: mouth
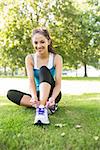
(40,49)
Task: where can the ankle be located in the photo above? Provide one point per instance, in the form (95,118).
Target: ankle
(41,106)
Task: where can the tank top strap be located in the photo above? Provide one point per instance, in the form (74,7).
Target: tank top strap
(50,61)
(53,59)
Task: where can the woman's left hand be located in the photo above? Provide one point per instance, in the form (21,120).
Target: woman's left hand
(51,101)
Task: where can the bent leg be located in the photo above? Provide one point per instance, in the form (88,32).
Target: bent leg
(20,98)
(46,83)
(25,101)
(58,97)
(44,92)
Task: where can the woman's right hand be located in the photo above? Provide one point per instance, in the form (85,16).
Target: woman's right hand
(34,101)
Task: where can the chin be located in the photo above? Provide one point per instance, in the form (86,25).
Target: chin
(41,52)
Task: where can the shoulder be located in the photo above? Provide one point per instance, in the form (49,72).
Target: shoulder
(58,59)
(57,56)
(29,58)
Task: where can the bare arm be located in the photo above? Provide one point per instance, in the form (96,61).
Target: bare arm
(58,77)
(29,67)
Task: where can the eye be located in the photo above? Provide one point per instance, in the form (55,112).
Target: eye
(35,42)
(42,42)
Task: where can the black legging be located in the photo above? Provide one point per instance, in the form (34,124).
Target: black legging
(44,76)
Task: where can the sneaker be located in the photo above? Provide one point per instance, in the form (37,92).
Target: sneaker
(51,110)
(41,116)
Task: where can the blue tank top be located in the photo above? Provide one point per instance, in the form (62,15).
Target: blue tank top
(50,66)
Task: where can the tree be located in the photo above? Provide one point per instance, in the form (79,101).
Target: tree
(15,36)
(85,49)
(74,31)
(88,38)
(22,17)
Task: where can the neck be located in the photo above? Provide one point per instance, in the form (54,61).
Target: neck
(43,56)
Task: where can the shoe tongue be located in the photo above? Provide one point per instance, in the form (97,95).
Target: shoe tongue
(41,106)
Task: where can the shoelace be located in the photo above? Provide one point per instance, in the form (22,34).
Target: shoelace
(41,111)
(52,109)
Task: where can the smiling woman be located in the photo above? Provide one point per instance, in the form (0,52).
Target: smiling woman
(44,70)
(40,43)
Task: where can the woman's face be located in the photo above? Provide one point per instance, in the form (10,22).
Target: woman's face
(40,43)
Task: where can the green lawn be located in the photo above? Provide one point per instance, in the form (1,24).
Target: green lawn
(75,126)
(63,78)
(81,78)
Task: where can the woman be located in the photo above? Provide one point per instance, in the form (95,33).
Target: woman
(44,69)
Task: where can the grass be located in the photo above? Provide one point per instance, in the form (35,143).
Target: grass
(2,76)
(81,78)
(75,126)
(63,78)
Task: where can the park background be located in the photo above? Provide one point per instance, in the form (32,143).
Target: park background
(74,27)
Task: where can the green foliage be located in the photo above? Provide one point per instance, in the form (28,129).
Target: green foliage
(85,48)
(74,31)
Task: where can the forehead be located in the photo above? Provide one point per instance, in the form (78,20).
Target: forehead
(38,37)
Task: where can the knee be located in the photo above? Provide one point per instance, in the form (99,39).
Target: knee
(44,68)
(9,94)
(44,71)
(14,96)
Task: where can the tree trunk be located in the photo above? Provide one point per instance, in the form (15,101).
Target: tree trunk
(12,72)
(85,70)
(5,71)
(76,69)
(25,72)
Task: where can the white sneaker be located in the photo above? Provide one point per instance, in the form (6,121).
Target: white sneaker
(41,115)
(53,109)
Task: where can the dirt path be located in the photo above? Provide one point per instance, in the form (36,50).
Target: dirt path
(68,87)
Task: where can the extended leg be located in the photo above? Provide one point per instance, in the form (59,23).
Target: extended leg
(19,98)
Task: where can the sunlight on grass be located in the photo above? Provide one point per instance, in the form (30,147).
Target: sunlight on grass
(75,126)
(3,104)
(4,101)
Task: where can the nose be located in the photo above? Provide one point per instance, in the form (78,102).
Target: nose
(38,45)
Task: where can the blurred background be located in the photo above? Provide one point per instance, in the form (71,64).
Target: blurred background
(74,26)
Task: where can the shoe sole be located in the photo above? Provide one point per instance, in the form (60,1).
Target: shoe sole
(41,123)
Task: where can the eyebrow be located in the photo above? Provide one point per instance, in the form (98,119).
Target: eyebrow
(40,41)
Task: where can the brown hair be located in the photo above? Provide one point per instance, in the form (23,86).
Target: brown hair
(45,33)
